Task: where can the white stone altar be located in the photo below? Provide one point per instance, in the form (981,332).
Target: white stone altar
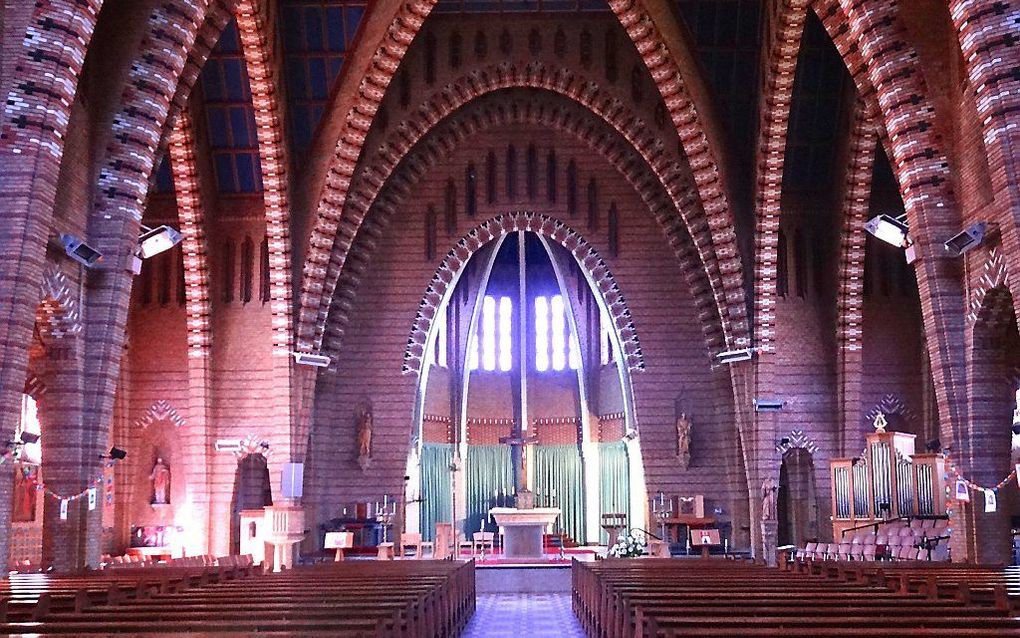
(522,529)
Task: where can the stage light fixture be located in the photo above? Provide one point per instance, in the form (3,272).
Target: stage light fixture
(1016,428)
(891,230)
(768,405)
(933,446)
(969,239)
(309,359)
(117,454)
(735,356)
(784,441)
(154,241)
(227,445)
(78,250)
(29,438)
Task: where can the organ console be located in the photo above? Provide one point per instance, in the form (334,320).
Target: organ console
(888,481)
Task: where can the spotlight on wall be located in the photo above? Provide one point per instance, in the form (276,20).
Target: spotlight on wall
(891,230)
(117,454)
(768,405)
(153,241)
(969,239)
(78,250)
(29,438)
(933,446)
(735,356)
(309,359)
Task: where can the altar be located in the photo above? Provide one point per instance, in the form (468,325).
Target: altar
(522,529)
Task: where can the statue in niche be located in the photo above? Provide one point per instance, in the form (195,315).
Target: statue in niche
(769,495)
(683,440)
(160,477)
(364,430)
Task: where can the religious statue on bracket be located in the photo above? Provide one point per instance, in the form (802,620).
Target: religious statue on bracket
(769,495)
(683,439)
(364,432)
(160,477)
(26,482)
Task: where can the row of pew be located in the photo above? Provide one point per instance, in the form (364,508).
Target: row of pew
(413,599)
(667,598)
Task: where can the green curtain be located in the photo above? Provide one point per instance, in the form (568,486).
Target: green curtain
(614,474)
(558,468)
(436,490)
(490,481)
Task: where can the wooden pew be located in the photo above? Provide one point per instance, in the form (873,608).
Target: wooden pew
(663,597)
(355,598)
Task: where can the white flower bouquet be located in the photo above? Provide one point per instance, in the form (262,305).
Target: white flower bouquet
(627,546)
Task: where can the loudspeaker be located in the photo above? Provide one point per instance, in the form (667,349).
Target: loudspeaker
(293,480)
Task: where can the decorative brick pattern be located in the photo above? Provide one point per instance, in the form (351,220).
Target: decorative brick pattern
(567,84)
(788,17)
(483,114)
(159,411)
(795,440)
(850,300)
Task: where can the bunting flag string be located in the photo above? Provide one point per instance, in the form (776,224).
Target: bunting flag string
(958,476)
(41,486)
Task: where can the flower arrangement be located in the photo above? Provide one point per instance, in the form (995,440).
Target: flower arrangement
(627,546)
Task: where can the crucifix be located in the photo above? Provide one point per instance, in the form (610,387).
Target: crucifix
(519,438)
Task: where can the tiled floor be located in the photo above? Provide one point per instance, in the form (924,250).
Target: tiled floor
(523,616)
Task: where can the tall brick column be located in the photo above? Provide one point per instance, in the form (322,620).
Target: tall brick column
(32,129)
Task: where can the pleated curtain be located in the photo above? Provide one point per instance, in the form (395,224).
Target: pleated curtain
(614,474)
(436,489)
(558,468)
(490,481)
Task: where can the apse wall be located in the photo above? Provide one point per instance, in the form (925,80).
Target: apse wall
(398,271)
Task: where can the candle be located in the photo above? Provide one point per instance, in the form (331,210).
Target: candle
(385,501)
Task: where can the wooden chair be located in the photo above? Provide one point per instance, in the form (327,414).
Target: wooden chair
(443,541)
(482,540)
(414,541)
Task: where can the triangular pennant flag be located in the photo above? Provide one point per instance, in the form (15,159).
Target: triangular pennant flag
(92,498)
(63,509)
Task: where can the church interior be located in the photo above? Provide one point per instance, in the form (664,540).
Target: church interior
(468,317)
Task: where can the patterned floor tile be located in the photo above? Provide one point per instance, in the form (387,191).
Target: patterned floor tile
(523,615)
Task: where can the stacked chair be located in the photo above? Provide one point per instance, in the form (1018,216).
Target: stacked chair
(895,540)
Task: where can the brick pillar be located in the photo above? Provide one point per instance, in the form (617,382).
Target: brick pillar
(60,413)
(33,126)
(986,450)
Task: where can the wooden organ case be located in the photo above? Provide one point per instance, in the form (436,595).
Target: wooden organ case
(889,481)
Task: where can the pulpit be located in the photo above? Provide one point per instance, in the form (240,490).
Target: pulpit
(522,529)
(285,527)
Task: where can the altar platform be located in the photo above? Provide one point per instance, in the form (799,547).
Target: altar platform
(498,574)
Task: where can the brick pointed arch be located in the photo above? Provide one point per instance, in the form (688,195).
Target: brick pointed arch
(872,40)
(784,46)
(560,114)
(669,172)
(331,225)
(448,273)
